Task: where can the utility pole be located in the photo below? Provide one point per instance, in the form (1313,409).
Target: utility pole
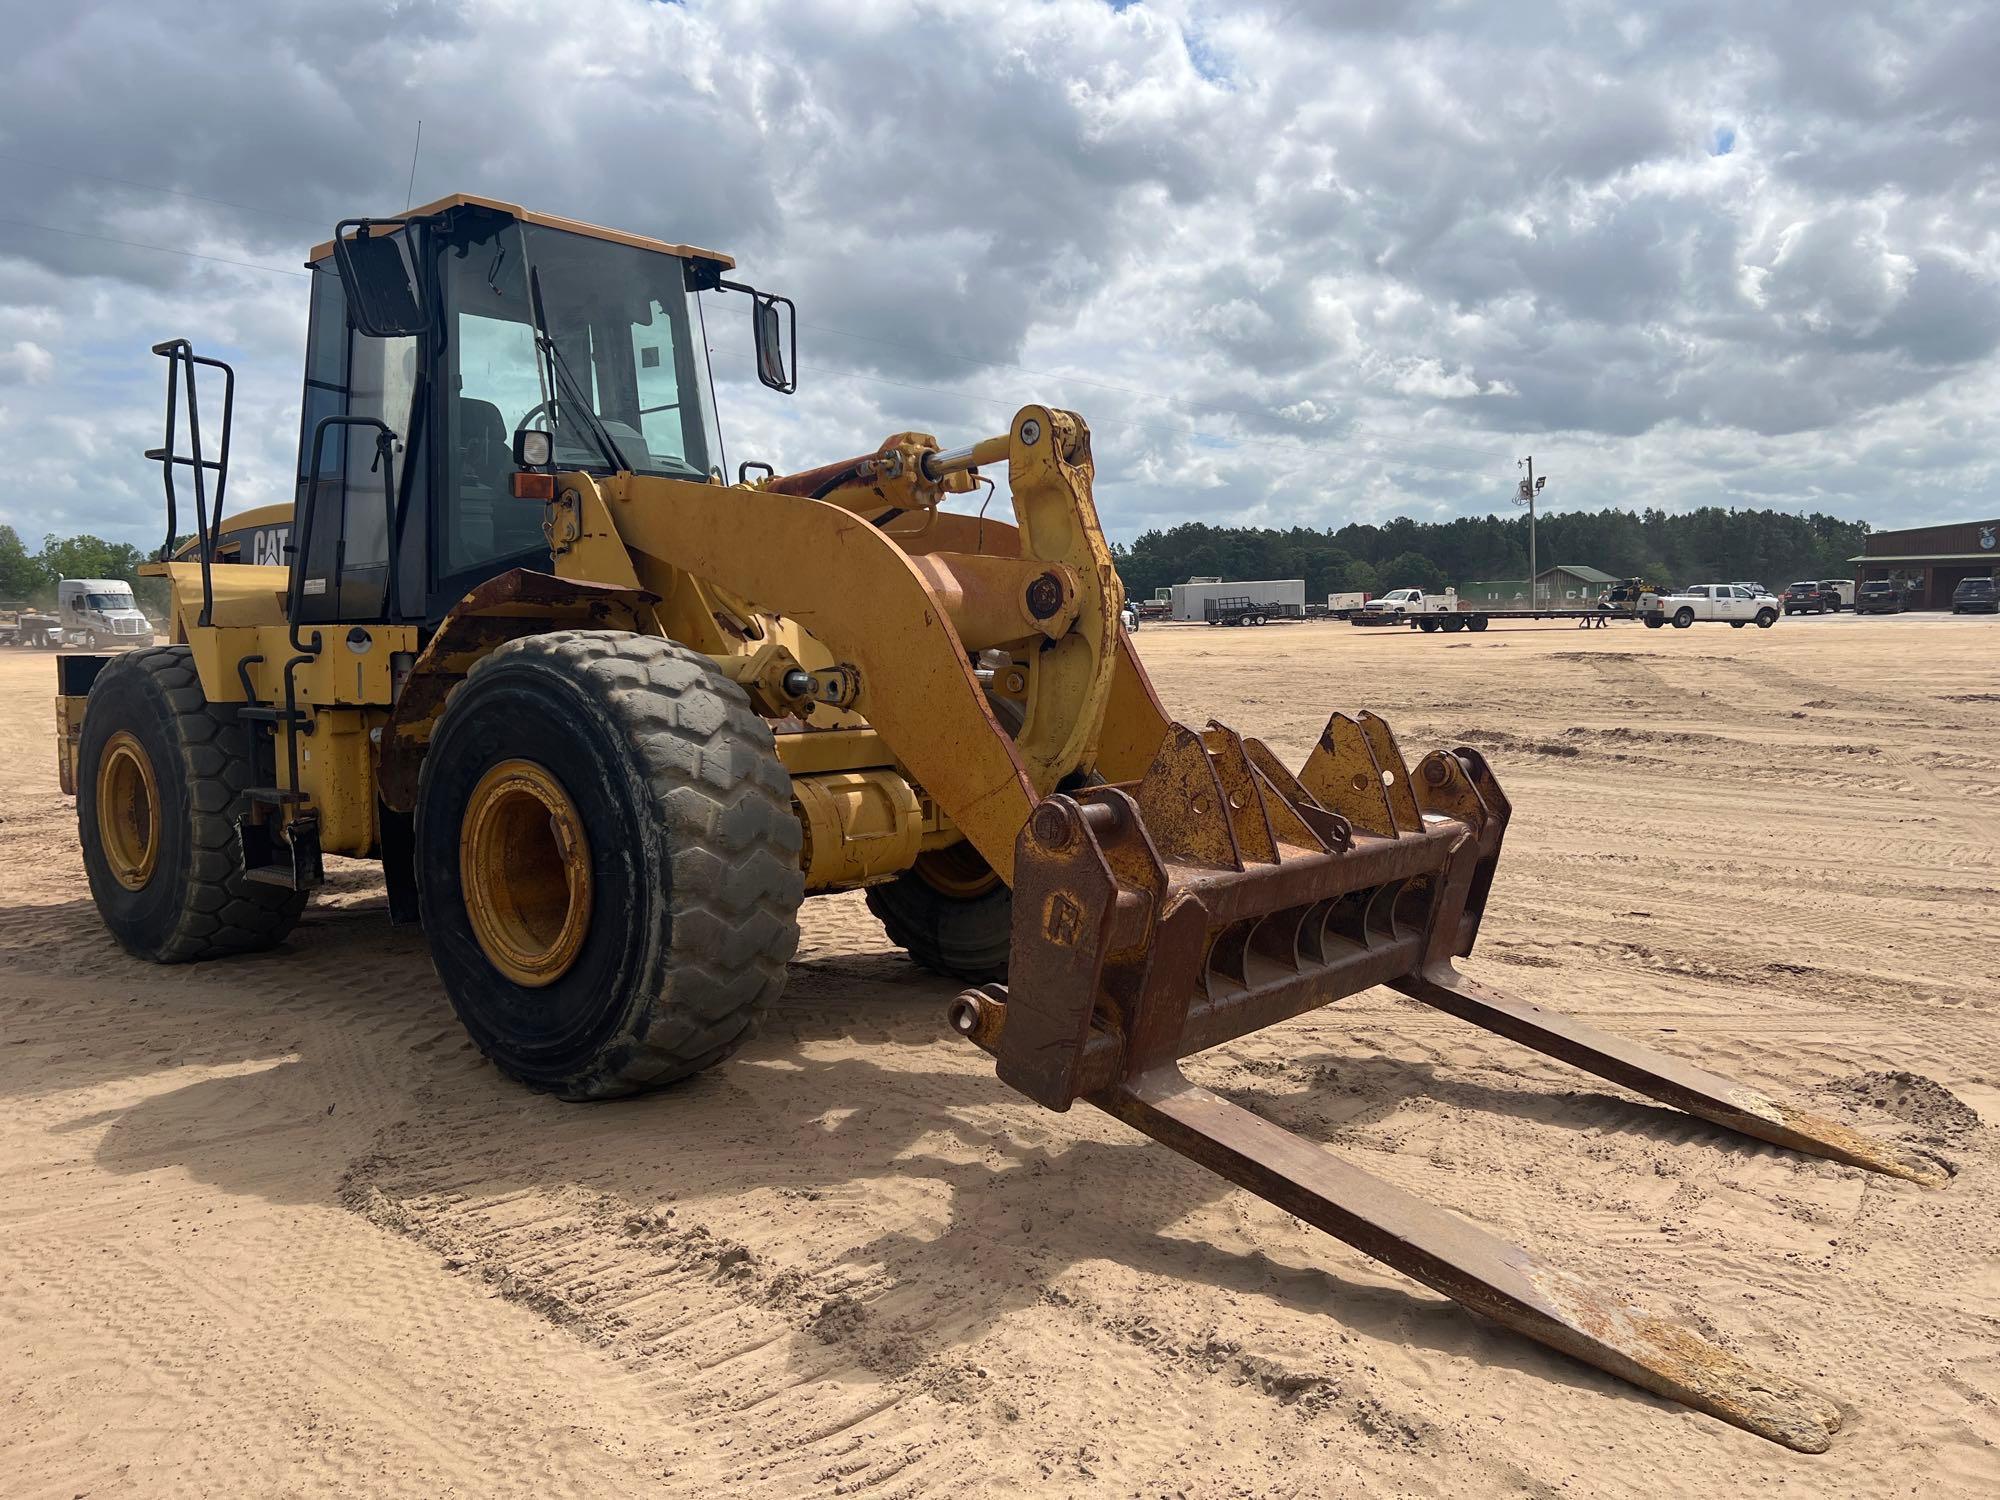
(1531,487)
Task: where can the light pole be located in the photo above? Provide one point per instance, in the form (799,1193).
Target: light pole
(1531,487)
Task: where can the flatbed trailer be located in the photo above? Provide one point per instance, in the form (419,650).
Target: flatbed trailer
(1239,611)
(30,627)
(1479,619)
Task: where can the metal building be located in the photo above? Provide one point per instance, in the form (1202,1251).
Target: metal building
(1928,562)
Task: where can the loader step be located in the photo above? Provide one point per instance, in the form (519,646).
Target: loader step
(272,796)
(277,850)
(266,713)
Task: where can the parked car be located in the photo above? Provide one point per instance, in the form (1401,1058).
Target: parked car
(1810,598)
(1976,596)
(1841,590)
(1880,597)
(1738,603)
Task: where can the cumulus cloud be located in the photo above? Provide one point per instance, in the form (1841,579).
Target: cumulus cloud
(1296,264)
(27,363)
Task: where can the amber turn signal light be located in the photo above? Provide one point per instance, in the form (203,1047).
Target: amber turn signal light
(534,486)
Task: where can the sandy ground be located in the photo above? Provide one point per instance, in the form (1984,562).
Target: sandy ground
(272,1227)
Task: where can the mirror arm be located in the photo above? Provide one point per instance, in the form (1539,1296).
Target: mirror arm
(770,301)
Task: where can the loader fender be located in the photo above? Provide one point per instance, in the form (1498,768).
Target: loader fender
(518,603)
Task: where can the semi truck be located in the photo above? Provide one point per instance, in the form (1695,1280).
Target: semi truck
(96,612)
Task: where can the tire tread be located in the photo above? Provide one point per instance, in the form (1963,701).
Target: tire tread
(710,766)
(224,912)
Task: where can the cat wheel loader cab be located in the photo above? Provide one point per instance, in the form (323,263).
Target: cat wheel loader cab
(606,717)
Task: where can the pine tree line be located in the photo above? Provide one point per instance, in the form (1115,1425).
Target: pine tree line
(1711,544)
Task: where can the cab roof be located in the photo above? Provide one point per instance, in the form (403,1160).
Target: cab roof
(556,221)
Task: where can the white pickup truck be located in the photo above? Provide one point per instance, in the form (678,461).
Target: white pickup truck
(1739,603)
(1400,604)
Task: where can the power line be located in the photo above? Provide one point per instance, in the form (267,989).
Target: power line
(150,187)
(105,239)
(1191,403)
(1097,423)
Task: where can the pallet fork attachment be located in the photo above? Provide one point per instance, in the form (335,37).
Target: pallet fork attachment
(1219,895)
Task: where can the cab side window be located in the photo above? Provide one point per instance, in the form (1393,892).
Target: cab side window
(653,344)
(326,380)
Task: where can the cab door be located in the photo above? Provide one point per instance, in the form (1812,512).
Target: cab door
(343,549)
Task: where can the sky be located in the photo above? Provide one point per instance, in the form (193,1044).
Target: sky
(1296,264)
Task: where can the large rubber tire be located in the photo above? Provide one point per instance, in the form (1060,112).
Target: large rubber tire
(1683,619)
(693,860)
(195,902)
(964,936)
(1766,618)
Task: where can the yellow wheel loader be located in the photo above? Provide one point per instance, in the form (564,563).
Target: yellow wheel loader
(607,714)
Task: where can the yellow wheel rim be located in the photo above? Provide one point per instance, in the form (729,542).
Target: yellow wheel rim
(524,864)
(128,811)
(958,871)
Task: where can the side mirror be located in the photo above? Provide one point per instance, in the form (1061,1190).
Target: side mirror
(776,363)
(777,338)
(384,295)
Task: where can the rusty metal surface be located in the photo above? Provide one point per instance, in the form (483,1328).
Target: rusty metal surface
(1280,904)
(1217,894)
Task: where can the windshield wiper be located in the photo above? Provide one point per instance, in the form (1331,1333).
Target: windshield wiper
(553,353)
